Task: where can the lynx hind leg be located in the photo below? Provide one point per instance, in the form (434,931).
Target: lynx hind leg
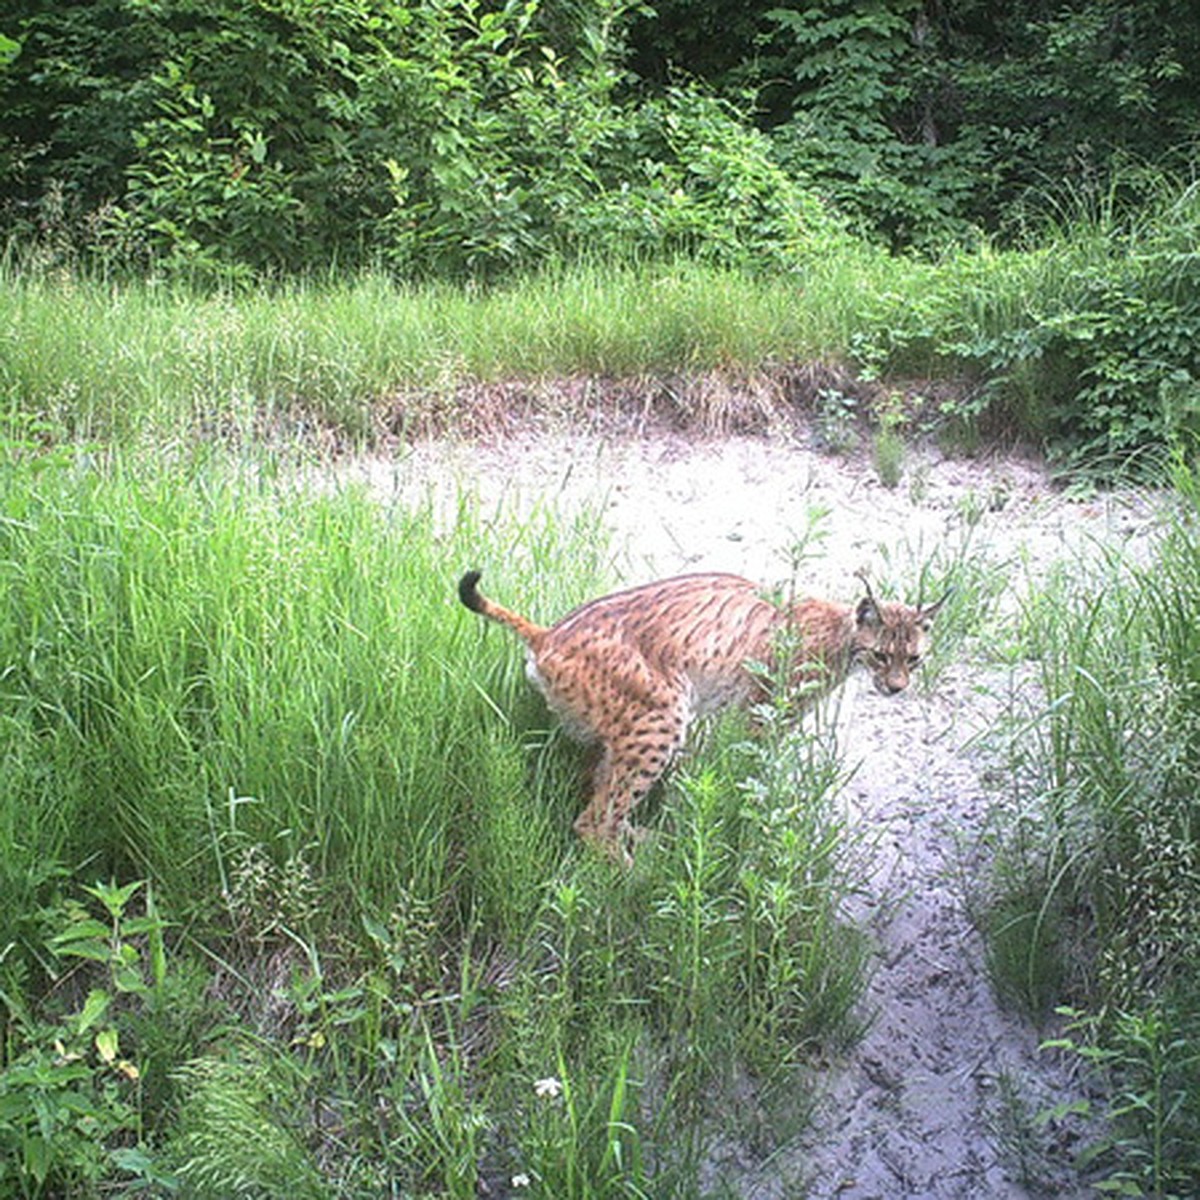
(630,765)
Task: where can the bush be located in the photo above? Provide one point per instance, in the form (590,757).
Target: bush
(1116,355)
(220,138)
(1088,342)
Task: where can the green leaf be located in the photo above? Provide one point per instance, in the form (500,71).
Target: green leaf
(137,1161)
(114,898)
(107,1045)
(88,949)
(135,925)
(158,951)
(1057,1111)
(127,979)
(36,1153)
(94,1007)
(90,928)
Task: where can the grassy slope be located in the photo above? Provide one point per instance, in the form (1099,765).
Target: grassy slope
(96,359)
(269,705)
(1087,338)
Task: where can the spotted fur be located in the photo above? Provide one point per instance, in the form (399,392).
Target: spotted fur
(632,670)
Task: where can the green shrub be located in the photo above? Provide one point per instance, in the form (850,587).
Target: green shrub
(71,1082)
(225,141)
(1086,342)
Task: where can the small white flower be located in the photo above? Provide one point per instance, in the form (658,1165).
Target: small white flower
(548,1089)
(520,1180)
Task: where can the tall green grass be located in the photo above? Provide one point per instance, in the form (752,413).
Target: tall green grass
(217,658)
(105,358)
(1083,339)
(1097,885)
(366,931)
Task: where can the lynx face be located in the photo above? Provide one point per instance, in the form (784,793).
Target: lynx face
(891,640)
(631,671)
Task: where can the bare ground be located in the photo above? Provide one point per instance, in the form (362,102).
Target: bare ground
(937,1099)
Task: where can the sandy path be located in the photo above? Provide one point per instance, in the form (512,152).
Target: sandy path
(915,1109)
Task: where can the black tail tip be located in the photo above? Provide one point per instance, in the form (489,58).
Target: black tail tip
(466,590)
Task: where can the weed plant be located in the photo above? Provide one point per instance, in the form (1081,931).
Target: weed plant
(289,900)
(1096,889)
(887,453)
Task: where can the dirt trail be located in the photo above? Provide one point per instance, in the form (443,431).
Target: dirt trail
(929,1102)
(920,1107)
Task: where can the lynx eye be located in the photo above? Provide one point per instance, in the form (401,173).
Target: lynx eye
(879,657)
(913,659)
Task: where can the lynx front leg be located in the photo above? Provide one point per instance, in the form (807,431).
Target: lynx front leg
(632,763)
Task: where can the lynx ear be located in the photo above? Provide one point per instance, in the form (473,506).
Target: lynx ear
(926,612)
(867,613)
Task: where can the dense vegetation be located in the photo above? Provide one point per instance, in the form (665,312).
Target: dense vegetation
(354,949)
(1040,156)
(1088,344)
(258,933)
(1099,849)
(456,135)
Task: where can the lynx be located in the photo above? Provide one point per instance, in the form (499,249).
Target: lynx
(632,671)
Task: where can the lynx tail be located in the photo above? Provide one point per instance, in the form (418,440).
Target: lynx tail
(468,593)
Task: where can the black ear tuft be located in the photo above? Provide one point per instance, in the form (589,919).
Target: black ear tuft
(929,611)
(467,592)
(867,613)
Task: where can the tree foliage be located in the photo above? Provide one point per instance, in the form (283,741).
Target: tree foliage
(475,135)
(438,136)
(923,119)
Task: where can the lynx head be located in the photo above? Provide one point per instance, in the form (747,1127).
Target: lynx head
(891,638)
